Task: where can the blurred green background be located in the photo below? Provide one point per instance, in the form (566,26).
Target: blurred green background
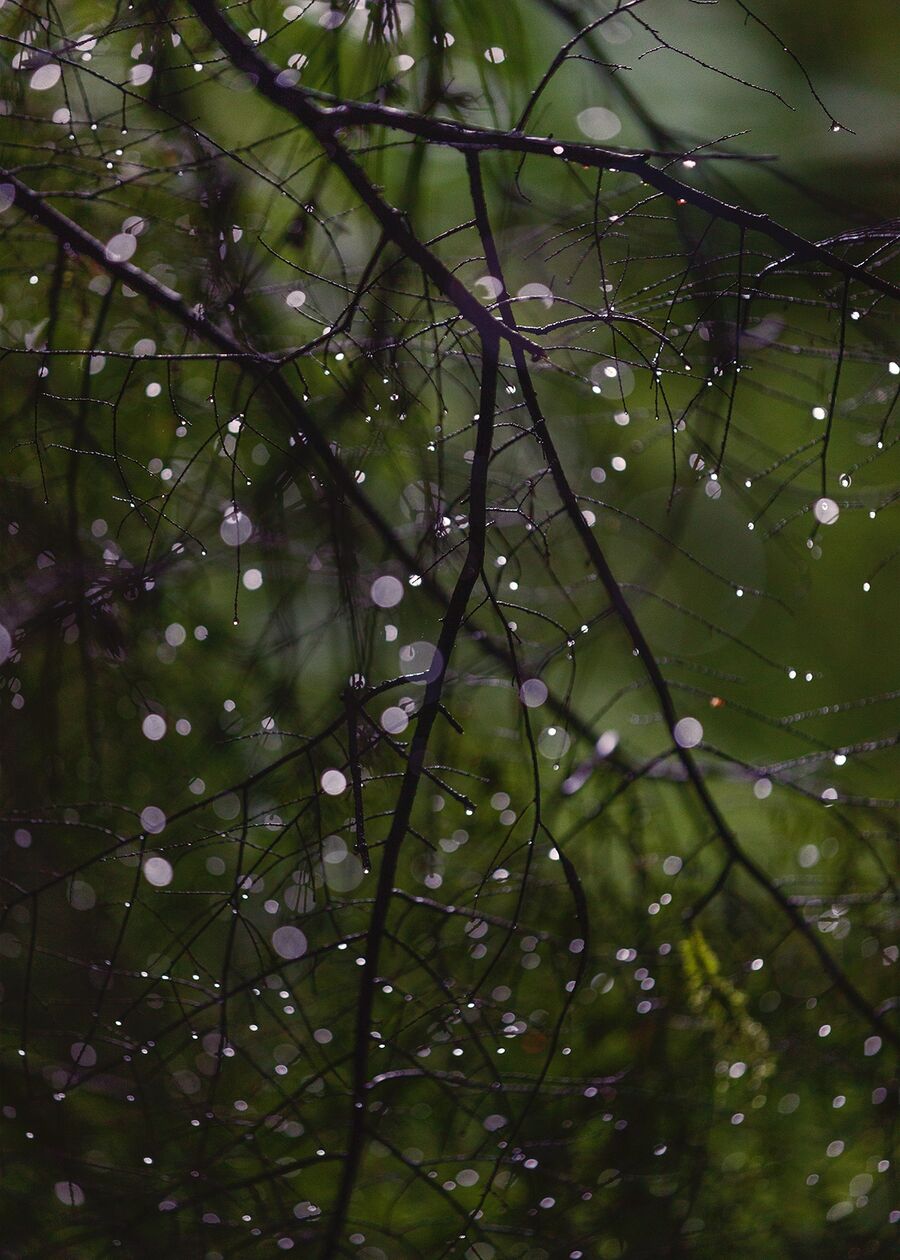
(655,1064)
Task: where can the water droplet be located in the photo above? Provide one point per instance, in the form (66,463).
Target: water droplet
(826,511)
(688,732)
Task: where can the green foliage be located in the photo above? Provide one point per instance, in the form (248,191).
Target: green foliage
(741,1039)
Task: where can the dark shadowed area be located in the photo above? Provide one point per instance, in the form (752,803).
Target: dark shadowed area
(448,608)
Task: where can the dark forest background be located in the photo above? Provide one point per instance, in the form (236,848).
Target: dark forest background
(448,599)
